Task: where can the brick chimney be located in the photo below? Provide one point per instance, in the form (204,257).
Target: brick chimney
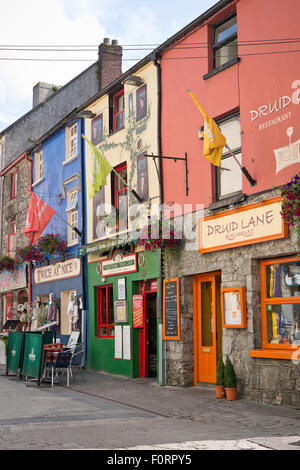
(110,62)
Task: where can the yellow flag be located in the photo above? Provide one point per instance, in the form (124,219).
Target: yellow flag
(100,169)
(214,141)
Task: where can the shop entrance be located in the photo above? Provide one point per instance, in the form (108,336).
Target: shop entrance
(207,326)
(148,334)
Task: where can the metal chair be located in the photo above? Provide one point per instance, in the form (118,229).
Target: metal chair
(76,360)
(63,361)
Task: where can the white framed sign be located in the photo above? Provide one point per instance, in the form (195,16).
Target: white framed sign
(118,342)
(122,288)
(127,342)
(119,264)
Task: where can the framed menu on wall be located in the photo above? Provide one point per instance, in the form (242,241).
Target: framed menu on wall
(233,302)
(171,310)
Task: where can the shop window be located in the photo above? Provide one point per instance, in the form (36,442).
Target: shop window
(280,294)
(229,175)
(72,211)
(105,307)
(225,47)
(38,166)
(120,196)
(118,111)
(11,245)
(13,184)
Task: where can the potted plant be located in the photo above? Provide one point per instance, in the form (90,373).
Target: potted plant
(230,381)
(220,382)
(291,205)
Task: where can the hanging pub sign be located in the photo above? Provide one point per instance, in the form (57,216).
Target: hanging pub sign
(119,264)
(246,225)
(171,310)
(138,311)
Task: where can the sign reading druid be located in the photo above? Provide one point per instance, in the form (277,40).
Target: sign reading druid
(119,264)
(248,224)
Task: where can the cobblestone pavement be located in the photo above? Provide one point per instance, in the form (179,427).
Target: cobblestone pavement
(102,411)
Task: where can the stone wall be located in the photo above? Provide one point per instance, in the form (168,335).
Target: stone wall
(265,380)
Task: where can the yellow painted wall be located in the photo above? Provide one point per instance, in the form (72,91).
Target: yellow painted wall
(127,144)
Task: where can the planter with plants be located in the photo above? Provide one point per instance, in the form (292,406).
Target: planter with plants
(230,381)
(29,254)
(51,244)
(220,382)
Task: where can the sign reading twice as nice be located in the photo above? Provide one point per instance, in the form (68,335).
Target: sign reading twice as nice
(246,225)
(57,271)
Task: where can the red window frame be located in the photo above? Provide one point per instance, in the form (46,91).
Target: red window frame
(14,184)
(118,191)
(117,112)
(105,311)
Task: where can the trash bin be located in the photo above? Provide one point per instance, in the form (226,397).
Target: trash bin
(33,359)
(15,350)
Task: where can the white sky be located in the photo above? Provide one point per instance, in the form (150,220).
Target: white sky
(77,22)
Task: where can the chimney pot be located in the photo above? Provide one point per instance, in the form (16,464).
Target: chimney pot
(106,41)
(114,42)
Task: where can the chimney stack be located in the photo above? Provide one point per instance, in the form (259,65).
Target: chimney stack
(110,62)
(41,91)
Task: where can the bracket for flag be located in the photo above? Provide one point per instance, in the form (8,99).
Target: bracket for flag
(71,226)
(175,160)
(243,169)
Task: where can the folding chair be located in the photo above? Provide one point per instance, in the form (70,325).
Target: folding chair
(63,361)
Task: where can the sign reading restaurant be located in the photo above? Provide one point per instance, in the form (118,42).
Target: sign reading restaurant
(57,271)
(246,225)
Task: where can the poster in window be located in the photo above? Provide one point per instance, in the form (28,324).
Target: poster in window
(141,102)
(142,177)
(233,301)
(98,212)
(126,343)
(97,130)
(118,342)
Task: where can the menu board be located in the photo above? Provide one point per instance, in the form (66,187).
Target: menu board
(233,302)
(118,342)
(126,343)
(138,311)
(171,310)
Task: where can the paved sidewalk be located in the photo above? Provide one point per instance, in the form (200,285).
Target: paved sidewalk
(246,423)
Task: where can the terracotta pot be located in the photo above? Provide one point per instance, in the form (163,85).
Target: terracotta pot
(231,393)
(220,391)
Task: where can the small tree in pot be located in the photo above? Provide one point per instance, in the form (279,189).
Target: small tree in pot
(220,383)
(230,381)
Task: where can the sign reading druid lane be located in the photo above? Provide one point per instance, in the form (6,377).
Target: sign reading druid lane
(244,226)
(171,311)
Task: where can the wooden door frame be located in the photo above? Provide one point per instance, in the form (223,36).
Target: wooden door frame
(210,276)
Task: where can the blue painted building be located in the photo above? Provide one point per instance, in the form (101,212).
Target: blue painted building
(57,164)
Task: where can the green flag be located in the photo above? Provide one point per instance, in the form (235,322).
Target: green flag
(100,169)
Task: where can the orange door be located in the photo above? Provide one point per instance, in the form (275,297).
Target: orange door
(206,315)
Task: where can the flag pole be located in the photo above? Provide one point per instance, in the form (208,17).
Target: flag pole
(71,226)
(127,186)
(243,169)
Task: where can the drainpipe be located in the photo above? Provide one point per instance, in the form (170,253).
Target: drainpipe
(162,344)
(29,267)
(83,260)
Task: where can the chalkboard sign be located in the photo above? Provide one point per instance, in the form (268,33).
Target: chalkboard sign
(171,313)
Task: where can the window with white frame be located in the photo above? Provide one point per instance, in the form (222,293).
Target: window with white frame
(71,142)
(72,211)
(38,166)
(229,175)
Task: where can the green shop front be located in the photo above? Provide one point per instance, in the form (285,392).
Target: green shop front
(124,311)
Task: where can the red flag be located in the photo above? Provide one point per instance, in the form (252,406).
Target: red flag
(38,217)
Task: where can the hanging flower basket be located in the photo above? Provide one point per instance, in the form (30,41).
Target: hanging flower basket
(51,244)
(291,205)
(7,264)
(29,254)
(152,237)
